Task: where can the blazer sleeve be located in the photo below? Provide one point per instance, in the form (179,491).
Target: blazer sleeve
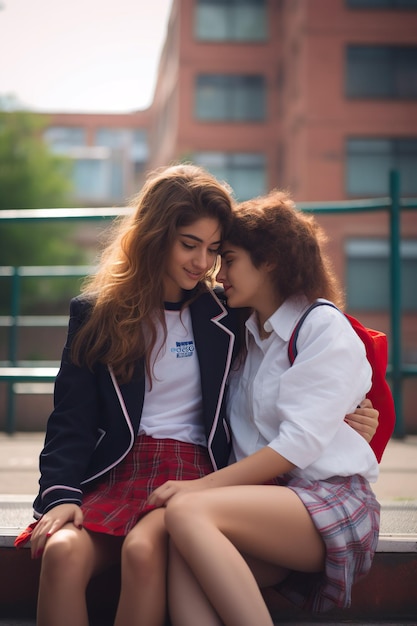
(73,426)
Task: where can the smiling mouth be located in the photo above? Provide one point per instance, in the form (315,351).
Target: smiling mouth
(193,275)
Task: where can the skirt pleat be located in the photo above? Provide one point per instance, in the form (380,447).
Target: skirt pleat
(115,504)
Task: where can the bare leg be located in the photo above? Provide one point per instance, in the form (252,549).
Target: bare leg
(144,564)
(188,604)
(212,528)
(187,599)
(70,559)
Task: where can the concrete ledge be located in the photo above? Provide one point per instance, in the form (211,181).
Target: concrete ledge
(387,593)
(387,543)
(398,543)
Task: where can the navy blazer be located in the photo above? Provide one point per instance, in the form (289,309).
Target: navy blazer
(95,420)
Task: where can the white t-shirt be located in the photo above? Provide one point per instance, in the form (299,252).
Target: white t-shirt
(172,409)
(299,410)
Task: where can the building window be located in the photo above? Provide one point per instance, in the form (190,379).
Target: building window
(132,142)
(98,178)
(62,139)
(368,272)
(381,71)
(231,20)
(224,97)
(382,4)
(140,148)
(115,138)
(369,162)
(244,172)
(90,178)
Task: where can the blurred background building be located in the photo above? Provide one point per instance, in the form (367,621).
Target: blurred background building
(315,96)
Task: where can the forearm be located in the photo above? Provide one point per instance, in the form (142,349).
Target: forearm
(255,469)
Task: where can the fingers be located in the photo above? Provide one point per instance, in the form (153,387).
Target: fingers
(367,431)
(364,420)
(39,537)
(165,492)
(363,423)
(51,522)
(78,518)
(366,409)
(362,416)
(161,495)
(366,404)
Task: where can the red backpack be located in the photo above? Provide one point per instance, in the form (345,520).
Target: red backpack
(376,346)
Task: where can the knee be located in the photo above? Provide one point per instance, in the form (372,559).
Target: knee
(142,553)
(181,508)
(62,554)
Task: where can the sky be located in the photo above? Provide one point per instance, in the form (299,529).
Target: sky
(92,56)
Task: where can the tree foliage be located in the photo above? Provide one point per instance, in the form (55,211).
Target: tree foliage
(31,176)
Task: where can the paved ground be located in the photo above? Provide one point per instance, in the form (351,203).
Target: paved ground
(396,487)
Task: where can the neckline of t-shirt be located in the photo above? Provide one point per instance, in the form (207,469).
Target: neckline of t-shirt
(177,306)
(173,306)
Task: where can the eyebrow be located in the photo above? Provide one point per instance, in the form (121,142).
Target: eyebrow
(224,252)
(194,238)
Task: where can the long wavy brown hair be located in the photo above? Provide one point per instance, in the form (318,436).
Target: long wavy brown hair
(272,230)
(127,290)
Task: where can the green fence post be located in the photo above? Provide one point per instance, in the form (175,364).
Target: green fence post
(14,312)
(395,304)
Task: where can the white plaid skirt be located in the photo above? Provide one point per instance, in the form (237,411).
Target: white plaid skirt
(346,513)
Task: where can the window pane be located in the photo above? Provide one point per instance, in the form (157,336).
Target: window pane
(112,137)
(381,71)
(62,138)
(367,284)
(249,21)
(98,179)
(211,21)
(115,182)
(140,150)
(382,4)
(368,277)
(248,99)
(248,183)
(369,162)
(369,71)
(212,96)
(230,97)
(90,178)
(244,172)
(230,20)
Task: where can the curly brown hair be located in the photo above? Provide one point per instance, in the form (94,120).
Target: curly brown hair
(272,230)
(127,290)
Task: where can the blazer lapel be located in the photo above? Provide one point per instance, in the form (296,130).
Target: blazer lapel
(214,342)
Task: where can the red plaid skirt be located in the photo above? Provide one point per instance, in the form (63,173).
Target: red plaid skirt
(115,504)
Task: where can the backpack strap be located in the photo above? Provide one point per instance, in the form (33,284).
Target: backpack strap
(292,345)
(376,346)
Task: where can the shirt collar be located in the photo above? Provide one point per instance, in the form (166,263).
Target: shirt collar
(283,320)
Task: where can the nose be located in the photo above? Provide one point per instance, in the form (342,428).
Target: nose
(202,260)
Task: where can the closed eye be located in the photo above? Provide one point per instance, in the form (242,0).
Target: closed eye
(227,258)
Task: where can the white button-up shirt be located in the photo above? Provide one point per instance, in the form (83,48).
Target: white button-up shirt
(299,410)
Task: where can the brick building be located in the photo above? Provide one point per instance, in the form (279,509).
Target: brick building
(109,153)
(317,96)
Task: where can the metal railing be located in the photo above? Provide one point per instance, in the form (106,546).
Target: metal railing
(394,204)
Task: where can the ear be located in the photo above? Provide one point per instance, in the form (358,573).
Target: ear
(270,265)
